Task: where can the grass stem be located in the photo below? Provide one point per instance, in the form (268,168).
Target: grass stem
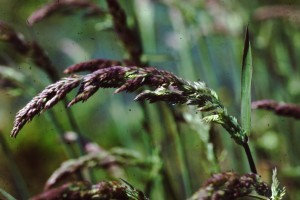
(250,158)
(17,177)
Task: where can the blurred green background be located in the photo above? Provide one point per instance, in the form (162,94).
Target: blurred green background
(195,39)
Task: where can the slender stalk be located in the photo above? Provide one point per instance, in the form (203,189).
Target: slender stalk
(167,184)
(250,158)
(69,151)
(236,130)
(75,127)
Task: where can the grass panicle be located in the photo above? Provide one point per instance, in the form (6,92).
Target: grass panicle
(167,87)
(39,57)
(9,35)
(16,79)
(28,49)
(230,185)
(108,160)
(278,11)
(281,109)
(84,190)
(43,101)
(64,5)
(126,35)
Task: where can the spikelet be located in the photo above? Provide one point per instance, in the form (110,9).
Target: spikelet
(50,96)
(91,65)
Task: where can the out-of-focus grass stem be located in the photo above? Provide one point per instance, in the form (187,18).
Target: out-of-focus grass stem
(18,180)
(186,66)
(171,129)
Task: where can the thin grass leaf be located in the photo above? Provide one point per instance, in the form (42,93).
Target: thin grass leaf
(246,85)
(246,97)
(11,81)
(11,74)
(7,195)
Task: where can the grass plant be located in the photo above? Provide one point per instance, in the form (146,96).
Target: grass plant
(171,149)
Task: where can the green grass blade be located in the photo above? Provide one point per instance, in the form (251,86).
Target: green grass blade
(246,85)
(6,195)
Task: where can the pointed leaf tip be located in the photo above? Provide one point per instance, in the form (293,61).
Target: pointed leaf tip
(246,79)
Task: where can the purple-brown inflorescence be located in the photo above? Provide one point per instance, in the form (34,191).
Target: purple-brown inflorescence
(28,49)
(124,78)
(50,96)
(165,87)
(129,39)
(69,5)
(8,34)
(107,78)
(107,160)
(278,11)
(229,185)
(282,109)
(104,190)
(102,159)
(92,65)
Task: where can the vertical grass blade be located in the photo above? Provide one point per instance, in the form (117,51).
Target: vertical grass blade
(246,96)
(246,85)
